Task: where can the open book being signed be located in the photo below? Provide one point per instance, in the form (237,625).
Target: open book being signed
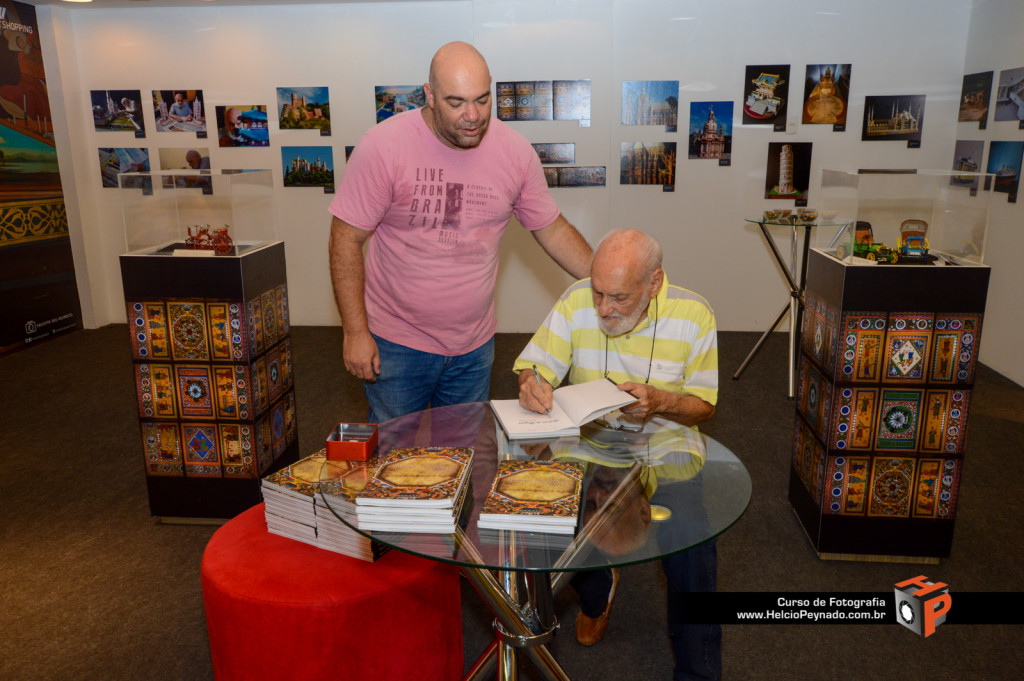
(573,406)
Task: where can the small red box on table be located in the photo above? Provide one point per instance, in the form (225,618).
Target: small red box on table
(352,442)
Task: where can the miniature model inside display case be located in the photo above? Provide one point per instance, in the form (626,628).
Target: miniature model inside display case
(210,339)
(913,244)
(216,240)
(865,246)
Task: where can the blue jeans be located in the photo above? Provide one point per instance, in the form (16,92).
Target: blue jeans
(411,380)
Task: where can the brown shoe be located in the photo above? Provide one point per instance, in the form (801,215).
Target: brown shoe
(590,630)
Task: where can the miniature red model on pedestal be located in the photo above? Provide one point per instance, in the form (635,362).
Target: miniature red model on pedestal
(217,240)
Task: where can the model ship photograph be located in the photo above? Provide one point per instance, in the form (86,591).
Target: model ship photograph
(1004,161)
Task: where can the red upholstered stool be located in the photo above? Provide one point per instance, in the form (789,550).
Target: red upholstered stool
(278,609)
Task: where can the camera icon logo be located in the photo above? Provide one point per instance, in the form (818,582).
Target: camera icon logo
(922,605)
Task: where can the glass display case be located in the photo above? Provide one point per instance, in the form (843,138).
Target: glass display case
(921,217)
(197,212)
(893,316)
(210,337)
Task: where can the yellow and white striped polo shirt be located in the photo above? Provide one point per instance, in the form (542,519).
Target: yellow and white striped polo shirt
(679,350)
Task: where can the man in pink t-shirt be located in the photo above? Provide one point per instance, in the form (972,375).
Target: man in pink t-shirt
(435,188)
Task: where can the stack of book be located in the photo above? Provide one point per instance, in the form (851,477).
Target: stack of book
(340,484)
(293,508)
(534,496)
(289,498)
(416,489)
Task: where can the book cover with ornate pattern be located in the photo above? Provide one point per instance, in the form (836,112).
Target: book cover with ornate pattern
(418,476)
(538,489)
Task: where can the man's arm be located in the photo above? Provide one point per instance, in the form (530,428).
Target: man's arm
(348,276)
(566,246)
(688,410)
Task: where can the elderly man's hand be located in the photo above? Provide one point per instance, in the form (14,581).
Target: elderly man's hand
(534,396)
(648,400)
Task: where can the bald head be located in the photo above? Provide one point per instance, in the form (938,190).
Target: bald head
(455,58)
(625,275)
(458,96)
(232,117)
(630,250)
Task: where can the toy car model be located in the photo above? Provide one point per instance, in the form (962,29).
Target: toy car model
(913,244)
(864,246)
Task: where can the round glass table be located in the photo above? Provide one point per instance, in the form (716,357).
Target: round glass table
(645,495)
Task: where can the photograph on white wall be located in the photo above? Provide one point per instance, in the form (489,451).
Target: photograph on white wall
(788,172)
(304,108)
(526,100)
(115,160)
(184,158)
(242,125)
(575,176)
(711,130)
(1004,161)
(118,111)
(572,100)
(967,159)
(766,95)
(394,99)
(651,102)
(974,97)
(308,167)
(826,95)
(543,100)
(648,163)
(179,111)
(893,118)
(556,152)
(1010,95)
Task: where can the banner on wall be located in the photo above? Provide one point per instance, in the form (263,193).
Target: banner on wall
(38,293)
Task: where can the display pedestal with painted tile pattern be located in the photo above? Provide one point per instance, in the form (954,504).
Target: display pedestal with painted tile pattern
(211,354)
(888,355)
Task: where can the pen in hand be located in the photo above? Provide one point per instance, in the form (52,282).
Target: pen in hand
(536,374)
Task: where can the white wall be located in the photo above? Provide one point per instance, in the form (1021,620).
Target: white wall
(993,44)
(243,53)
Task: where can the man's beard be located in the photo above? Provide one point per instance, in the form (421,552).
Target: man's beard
(620,324)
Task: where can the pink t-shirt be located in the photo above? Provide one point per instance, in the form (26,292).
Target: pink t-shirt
(439,214)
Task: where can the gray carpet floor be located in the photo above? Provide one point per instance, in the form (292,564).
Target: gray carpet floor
(95,588)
